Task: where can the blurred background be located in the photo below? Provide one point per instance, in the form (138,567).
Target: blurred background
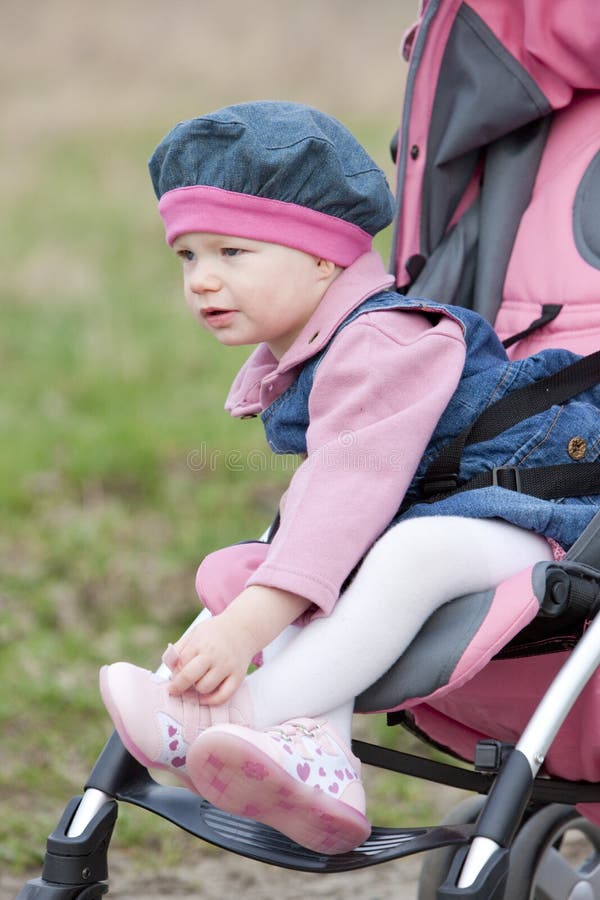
(115,478)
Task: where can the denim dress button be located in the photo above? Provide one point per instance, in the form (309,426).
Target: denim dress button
(576,448)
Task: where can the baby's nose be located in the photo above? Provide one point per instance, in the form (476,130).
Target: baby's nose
(204,278)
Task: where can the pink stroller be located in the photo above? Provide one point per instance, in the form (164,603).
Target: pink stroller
(498,160)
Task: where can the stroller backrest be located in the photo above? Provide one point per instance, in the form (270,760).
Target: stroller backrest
(499,166)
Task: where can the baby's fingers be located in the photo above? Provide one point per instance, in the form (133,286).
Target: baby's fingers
(171,658)
(209,682)
(189,675)
(223,693)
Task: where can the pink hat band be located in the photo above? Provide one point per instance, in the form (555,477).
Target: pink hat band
(218,211)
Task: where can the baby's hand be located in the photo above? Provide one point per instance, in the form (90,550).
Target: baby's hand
(215,655)
(213,658)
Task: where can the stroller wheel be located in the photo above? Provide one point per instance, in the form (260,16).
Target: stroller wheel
(555,856)
(436,864)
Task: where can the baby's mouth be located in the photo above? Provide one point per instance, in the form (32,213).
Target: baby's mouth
(217,316)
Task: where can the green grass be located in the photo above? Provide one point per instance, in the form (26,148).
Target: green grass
(109,396)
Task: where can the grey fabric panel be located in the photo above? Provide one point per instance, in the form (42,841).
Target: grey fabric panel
(430,660)
(448,274)
(510,171)
(482,94)
(586,549)
(469,265)
(586,214)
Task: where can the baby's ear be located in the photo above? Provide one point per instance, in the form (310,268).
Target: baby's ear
(327,268)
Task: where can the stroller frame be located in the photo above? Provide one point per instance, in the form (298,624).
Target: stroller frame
(76,854)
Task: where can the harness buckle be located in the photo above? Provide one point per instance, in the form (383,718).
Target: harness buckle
(440,484)
(507,477)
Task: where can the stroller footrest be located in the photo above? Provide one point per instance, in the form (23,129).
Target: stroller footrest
(256,841)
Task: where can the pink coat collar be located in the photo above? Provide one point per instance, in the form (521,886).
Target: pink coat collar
(262,378)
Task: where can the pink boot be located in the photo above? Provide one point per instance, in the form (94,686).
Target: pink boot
(157,728)
(299,778)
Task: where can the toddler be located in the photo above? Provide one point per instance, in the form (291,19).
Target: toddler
(271,208)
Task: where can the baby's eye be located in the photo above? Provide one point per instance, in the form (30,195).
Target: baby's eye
(185,255)
(231,251)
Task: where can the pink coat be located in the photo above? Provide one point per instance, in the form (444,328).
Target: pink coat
(386,374)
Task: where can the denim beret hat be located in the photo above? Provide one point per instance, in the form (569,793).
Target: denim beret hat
(272,171)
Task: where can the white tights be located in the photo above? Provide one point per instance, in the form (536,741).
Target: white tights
(413,569)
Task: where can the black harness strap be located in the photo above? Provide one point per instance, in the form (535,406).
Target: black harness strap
(441,478)
(549,313)
(545,482)
(544,790)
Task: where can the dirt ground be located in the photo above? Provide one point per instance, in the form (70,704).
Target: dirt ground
(215,878)
(217,875)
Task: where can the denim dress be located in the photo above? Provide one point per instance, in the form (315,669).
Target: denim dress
(563,434)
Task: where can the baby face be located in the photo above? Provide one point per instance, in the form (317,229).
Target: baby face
(247,292)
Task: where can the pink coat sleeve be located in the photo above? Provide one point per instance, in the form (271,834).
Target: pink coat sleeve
(376,399)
